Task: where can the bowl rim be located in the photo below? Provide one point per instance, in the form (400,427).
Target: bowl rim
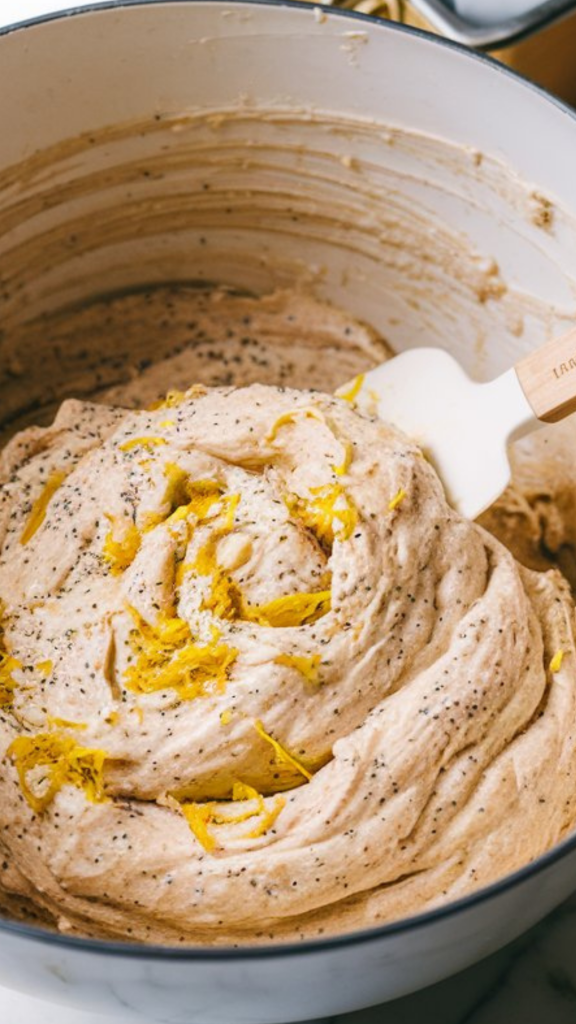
(279,950)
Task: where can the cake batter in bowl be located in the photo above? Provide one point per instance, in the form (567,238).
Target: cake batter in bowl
(194,212)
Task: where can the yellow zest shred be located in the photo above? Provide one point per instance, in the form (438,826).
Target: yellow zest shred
(172,399)
(202,495)
(121,545)
(224,599)
(350,391)
(179,514)
(7,682)
(324,506)
(308,667)
(291,610)
(344,466)
(226,716)
(329,503)
(7,665)
(184,497)
(397,499)
(176,492)
(168,657)
(46,762)
(167,423)
(229,505)
(307,412)
(281,755)
(142,442)
(38,511)
(169,631)
(267,818)
(556,662)
(242,791)
(45,667)
(311,412)
(112,718)
(201,817)
(53,722)
(181,569)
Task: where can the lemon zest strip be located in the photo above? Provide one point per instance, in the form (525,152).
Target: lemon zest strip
(65,762)
(198,817)
(7,665)
(292,610)
(170,401)
(174,397)
(282,756)
(121,545)
(308,667)
(307,412)
(142,442)
(7,682)
(349,392)
(201,816)
(329,502)
(54,722)
(267,819)
(556,662)
(344,466)
(168,657)
(397,499)
(184,497)
(40,506)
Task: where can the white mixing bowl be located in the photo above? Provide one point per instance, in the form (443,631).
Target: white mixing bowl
(425,188)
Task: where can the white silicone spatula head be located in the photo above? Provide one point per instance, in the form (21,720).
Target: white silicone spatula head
(465,427)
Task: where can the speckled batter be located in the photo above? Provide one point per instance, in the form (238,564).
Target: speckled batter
(259,682)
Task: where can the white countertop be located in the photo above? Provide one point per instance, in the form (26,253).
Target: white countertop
(533,981)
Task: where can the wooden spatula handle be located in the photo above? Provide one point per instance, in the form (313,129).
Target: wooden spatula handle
(548,378)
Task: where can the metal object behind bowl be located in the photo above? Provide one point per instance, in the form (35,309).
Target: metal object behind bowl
(152,61)
(539,44)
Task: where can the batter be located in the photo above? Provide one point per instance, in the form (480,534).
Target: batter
(258,681)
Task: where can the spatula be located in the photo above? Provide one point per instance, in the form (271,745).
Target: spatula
(465,427)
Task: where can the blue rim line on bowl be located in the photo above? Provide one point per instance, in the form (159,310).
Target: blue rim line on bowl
(403,925)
